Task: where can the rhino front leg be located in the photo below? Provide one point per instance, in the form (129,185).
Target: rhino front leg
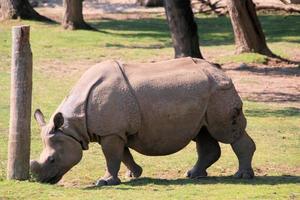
(244,149)
(134,170)
(113,150)
(209,152)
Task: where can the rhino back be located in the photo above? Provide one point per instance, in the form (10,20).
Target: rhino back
(172,97)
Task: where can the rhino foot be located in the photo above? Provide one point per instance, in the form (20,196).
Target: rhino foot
(244,174)
(108,181)
(194,174)
(134,174)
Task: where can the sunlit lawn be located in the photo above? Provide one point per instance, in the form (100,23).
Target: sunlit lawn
(61,56)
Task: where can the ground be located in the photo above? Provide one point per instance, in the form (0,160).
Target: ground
(102,8)
(270,93)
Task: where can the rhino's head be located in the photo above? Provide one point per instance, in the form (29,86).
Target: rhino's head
(60,152)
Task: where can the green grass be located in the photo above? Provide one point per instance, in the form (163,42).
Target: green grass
(245,57)
(143,39)
(61,56)
(275,130)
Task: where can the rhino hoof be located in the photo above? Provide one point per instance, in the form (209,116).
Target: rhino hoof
(134,174)
(109,181)
(244,174)
(101,182)
(194,174)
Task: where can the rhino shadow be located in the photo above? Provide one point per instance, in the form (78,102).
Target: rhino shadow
(258,180)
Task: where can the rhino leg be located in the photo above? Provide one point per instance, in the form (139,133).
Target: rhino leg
(134,170)
(209,152)
(113,150)
(244,148)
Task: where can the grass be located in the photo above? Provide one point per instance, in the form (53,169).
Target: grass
(134,39)
(61,56)
(245,58)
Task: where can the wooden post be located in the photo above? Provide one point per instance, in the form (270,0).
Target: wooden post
(20,105)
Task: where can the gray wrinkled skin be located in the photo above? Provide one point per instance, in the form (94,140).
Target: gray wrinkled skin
(154,109)
(60,152)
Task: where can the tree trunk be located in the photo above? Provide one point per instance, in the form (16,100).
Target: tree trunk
(248,33)
(13,9)
(73,17)
(183,28)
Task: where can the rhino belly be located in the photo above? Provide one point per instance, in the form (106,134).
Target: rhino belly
(172,114)
(167,137)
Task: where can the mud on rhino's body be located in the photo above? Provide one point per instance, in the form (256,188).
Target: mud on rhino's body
(156,109)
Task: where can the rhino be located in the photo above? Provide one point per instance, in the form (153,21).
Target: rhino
(155,109)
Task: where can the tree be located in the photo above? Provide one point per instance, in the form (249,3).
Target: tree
(183,28)
(248,34)
(13,9)
(73,17)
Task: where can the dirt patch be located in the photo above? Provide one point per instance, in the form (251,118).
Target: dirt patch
(266,83)
(280,169)
(62,68)
(100,9)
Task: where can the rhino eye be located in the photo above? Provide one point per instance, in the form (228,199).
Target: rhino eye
(51,159)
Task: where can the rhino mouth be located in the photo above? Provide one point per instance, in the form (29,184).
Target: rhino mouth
(52,180)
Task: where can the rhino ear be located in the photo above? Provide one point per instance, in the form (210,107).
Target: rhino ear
(39,117)
(58,120)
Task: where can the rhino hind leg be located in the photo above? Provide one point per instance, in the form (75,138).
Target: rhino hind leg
(133,169)
(209,152)
(244,148)
(113,150)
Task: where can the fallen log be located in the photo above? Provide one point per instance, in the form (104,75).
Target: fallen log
(286,8)
(207,7)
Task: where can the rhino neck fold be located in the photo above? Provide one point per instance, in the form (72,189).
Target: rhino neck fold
(79,141)
(74,125)
(77,132)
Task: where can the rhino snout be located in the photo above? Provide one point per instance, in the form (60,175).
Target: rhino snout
(39,173)
(34,167)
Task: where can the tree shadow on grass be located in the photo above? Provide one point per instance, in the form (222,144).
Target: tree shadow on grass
(46,22)
(286,112)
(287,71)
(212,30)
(272,97)
(135,46)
